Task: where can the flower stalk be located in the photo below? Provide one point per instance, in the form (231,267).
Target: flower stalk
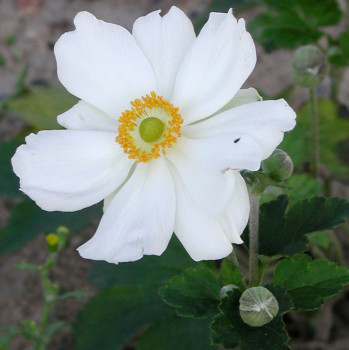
(316,132)
(254,228)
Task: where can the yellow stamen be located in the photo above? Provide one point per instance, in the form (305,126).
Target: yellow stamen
(130,120)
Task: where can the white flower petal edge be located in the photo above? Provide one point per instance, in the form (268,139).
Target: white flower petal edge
(209,189)
(165,41)
(241,137)
(102,64)
(218,63)
(140,218)
(83,116)
(70,170)
(202,237)
(235,218)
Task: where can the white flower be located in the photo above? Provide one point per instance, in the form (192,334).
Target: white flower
(160,134)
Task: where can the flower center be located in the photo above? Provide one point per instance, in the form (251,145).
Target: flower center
(149,128)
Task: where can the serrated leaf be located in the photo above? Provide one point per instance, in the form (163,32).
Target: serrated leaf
(9,184)
(177,333)
(231,274)
(288,24)
(297,187)
(195,293)
(115,315)
(27,220)
(230,331)
(339,55)
(283,233)
(309,282)
(333,138)
(41,106)
(150,270)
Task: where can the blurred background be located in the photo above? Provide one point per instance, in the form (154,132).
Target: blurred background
(28,32)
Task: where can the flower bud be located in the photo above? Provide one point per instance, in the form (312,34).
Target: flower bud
(258,306)
(309,66)
(278,166)
(227,288)
(52,242)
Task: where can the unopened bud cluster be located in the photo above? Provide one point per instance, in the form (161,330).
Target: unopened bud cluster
(278,166)
(309,66)
(258,306)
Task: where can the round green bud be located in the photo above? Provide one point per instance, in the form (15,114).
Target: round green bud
(258,306)
(309,66)
(151,129)
(227,288)
(63,230)
(278,166)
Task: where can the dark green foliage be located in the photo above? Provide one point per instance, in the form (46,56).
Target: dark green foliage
(150,270)
(228,329)
(310,282)
(177,333)
(284,232)
(41,105)
(195,293)
(289,24)
(27,220)
(231,274)
(115,315)
(9,184)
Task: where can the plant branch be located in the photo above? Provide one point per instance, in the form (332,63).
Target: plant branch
(254,228)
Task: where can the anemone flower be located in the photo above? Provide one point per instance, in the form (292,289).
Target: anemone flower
(160,133)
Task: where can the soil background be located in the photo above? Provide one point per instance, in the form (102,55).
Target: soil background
(37,24)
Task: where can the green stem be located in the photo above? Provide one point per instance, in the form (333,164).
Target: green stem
(254,227)
(316,132)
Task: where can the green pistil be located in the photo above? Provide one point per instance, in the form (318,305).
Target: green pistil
(151,129)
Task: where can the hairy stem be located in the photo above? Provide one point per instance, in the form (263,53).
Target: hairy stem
(316,132)
(253,225)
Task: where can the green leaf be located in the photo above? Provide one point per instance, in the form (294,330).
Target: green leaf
(150,270)
(230,273)
(320,238)
(176,333)
(27,220)
(41,106)
(339,55)
(288,24)
(283,233)
(9,184)
(333,139)
(115,315)
(297,187)
(310,282)
(303,186)
(195,293)
(228,329)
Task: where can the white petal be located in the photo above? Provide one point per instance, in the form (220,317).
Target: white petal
(164,40)
(102,64)
(140,218)
(211,190)
(69,170)
(242,97)
(83,116)
(236,216)
(241,137)
(224,151)
(218,63)
(203,237)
